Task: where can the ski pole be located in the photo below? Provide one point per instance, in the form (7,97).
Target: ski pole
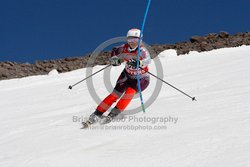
(71,86)
(193,98)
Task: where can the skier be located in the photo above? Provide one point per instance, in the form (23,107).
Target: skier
(126,85)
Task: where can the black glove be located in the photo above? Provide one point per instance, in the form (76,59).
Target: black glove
(132,63)
(116,51)
(115,61)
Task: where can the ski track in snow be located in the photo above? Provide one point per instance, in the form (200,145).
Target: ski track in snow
(37,128)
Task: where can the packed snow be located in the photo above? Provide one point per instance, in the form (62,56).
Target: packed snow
(40,118)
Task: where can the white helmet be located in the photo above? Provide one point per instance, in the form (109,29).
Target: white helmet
(134,32)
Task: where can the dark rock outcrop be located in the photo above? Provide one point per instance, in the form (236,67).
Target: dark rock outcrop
(209,42)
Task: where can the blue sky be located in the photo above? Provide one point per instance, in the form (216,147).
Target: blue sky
(50,29)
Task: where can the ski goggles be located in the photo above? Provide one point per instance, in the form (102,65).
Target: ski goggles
(133,40)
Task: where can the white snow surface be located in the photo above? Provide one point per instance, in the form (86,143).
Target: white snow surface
(37,128)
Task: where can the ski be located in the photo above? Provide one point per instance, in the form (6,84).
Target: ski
(102,121)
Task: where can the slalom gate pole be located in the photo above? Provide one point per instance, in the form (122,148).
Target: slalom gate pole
(193,98)
(139,54)
(71,86)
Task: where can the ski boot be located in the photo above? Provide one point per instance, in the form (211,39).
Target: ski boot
(93,118)
(107,119)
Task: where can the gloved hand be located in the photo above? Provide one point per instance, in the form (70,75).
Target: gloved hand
(115,61)
(132,63)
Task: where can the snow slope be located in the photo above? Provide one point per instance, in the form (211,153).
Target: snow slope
(37,128)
